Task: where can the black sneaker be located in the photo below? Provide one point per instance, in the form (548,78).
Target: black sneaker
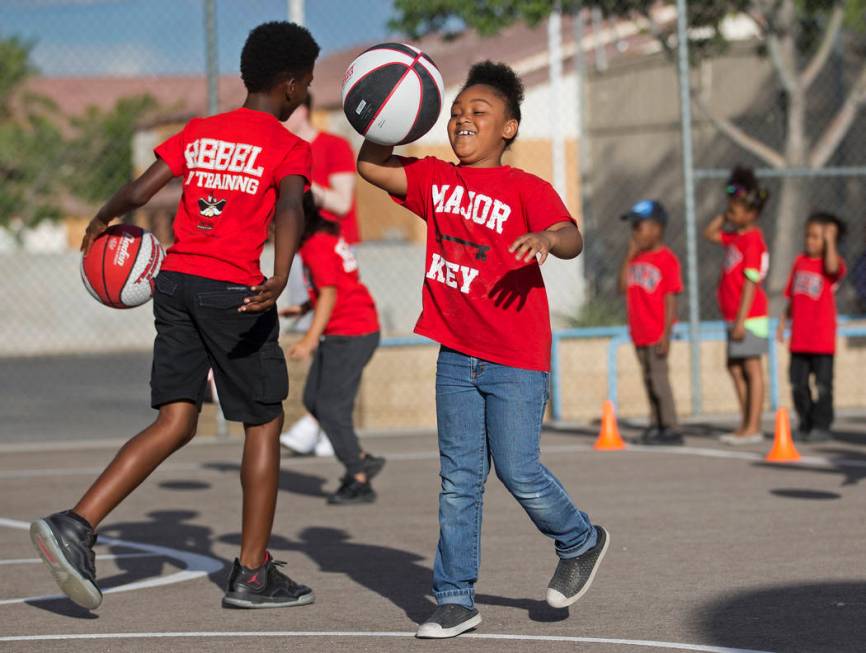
(573,577)
(372,466)
(65,542)
(665,437)
(352,491)
(645,436)
(448,620)
(819,435)
(265,587)
(801,435)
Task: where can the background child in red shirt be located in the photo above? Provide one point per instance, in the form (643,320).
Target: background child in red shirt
(213,309)
(489,227)
(651,280)
(342,337)
(811,307)
(742,300)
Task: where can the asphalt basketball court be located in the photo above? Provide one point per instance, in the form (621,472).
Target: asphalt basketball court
(711,550)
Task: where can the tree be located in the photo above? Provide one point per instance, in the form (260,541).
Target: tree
(797,36)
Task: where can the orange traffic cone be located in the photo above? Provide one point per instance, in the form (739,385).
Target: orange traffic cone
(783,450)
(609,438)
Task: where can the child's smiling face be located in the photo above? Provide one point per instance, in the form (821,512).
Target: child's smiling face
(814,241)
(740,214)
(479,126)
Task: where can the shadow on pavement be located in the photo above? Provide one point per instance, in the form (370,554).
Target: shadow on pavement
(291,480)
(809,618)
(537,610)
(851,474)
(184,485)
(804,493)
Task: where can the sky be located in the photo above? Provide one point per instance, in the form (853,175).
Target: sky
(140,37)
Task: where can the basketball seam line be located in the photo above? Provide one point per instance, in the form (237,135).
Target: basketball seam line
(420,103)
(393,90)
(370,72)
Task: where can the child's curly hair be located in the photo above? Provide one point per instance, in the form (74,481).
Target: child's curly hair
(275,52)
(502,79)
(743,185)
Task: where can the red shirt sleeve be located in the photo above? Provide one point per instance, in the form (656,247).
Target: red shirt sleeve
(341,158)
(673,276)
(753,252)
(542,204)
(419,175)
(727,237)
(297,161)
(790,285)
(172,152)
(321,259)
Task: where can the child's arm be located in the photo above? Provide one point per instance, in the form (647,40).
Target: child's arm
(338,198)
(738,332)
(288,225)
(831,253)
(783,318)
(623,269)
(562,239)
(377,165)
(131,196)
(296,310)
(664,345)
(321,315)
(713,230)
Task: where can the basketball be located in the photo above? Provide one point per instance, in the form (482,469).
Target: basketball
(392,94)
(119,269)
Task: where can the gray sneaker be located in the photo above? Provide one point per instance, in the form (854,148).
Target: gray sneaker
(448,620)
(819,435)
(573,577)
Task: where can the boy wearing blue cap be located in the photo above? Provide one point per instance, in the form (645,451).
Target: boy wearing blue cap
(650,279)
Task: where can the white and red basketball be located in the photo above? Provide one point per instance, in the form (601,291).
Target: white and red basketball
(119,269)
(392,94)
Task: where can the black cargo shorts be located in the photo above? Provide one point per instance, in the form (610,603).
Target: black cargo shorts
(199,327)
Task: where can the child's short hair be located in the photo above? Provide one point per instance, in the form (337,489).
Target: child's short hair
(825,217)
(275,52)
(743,185)
(502,79)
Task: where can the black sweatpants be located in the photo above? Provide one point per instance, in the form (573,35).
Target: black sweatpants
(814,413)
(332,385)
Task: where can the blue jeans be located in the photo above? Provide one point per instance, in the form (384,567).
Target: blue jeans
(485,410)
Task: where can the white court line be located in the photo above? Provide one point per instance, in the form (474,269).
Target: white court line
(195,565)
(102,556)
(288,633)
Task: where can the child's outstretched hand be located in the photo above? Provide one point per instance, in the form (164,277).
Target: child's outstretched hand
(264,297)
(537,244)
(292,311)
(94,228)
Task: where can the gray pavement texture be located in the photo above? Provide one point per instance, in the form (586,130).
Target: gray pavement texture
(710,547)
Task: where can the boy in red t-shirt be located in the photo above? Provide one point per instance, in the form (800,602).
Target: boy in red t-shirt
(213,309)
(742,300)
(811,308)
(651,280)
(342,337)
(489,227)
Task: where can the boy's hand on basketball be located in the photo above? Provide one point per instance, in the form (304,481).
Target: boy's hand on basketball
(303,349)
(94,228)
(533,245)
(264,297)
(738,333)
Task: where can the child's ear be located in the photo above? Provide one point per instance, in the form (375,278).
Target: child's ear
(509,131)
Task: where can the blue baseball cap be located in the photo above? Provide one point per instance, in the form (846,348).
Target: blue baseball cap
(647,210)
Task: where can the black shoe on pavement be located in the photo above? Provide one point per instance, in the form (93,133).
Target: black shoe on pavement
(352,491)
(665,437)
(448,620)
(801,435)
(819,435)
(265,587)
(372,466)
(573,577)
(645,436)
(65,542)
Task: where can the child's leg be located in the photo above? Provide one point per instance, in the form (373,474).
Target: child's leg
(260,473)
(661,388)
(464,464)
(514,409)
(754,371)
(738,376)
(173,428)
(822,411)
(798,375)
(341,361)
(643,357)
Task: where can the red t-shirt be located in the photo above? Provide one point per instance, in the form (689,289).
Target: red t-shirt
(328,261)
(813,305)
(651,276)
(477,298)
(746,256)
(232,165)
(332,155)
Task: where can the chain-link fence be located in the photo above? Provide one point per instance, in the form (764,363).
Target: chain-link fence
(88,88)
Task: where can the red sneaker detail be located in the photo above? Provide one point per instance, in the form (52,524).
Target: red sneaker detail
(46,552)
